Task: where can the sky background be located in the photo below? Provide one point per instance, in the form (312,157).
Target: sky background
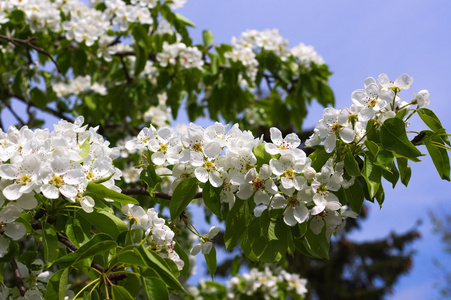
(359,39)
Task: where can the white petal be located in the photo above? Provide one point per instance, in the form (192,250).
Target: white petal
(27,201)
(201,174)
(158,158)
(4,244)
(206,247)
(279,201)
(246,190)
(276,136)
(8,171)
(12,191)
(404,81)
(301,213)
(213,231)
(261,197)
(271,148)
(68,191)
(316,225)
(292,140)
(15,230)
(196,249)
(259,209)
(74,177)
(288,217)
(60,164)
(215,178)
(347,135)
(212,149)
(329,143)
(9,214)
(50,191)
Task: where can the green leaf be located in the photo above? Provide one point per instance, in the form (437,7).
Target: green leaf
(384,160)
(120,293)
(183,194)
(404,170)
(38,98)
(436,148)
(100,243)
(132,284)
(211,198)
(380,196)
(131,256)
(314,245)
(184,20)
(236,220)
(355,196)
(57,285)
(156,288)
(372,175)
(394,138)
(141,59)
(351,165)
(85,147)
(299,230)
(432,121)
(76,233)
(104,192)
(373,149)
(262,156)
(210,259)
(319,158)
(104,222)
(149,176)
(50,241)
(208,37)
(392,176)
(157,263)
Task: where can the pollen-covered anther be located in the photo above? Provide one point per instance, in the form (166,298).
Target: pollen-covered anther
(57,181)
(24,179)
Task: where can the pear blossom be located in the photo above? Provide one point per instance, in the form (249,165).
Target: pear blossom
(281,145)
(205,243)
(260,183)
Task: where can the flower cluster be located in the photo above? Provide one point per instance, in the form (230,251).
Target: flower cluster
(78,85)
(187,57)
(58,164)
(158,236)
(266,284)
(254,285)
(378,101)
(246,48)
(288,182)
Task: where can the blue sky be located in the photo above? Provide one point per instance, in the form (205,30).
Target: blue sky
(358,39)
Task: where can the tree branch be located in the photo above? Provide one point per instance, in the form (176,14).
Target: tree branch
(27,43)
(124,66)
(19,281)
(49,110)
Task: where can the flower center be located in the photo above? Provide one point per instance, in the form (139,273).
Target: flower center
(24,179)
(289,173)
(197,147)
(322,189)
(57,181)
(89,175)
(209,165)
(258,184)
(292,201)
(163,148)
